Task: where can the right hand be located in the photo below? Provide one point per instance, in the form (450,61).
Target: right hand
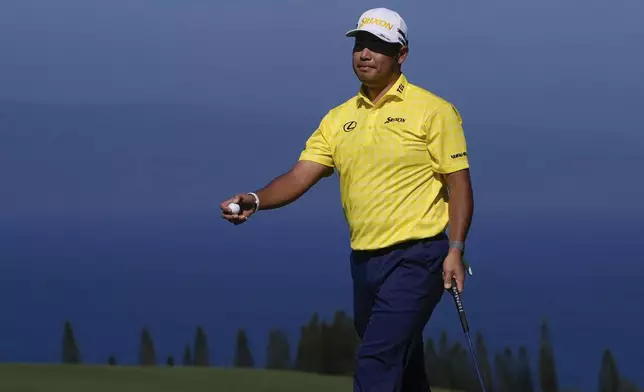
(246,206)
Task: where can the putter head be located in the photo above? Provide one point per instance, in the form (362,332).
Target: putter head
(468,268)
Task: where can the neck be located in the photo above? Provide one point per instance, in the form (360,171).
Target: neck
(375,92)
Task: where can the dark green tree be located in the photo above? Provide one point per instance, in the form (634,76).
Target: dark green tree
(243,357)
(547,367)
(432,363)
(462,376)
(278,352)
(525,383)
(484,363)
(147,353)
(442,371)
(443,345)
(170,361)
(327,348)
(187,356)
(627,385)
(339,343)
(327,352)
(309,347)
(449,366)
(111,360)
(202,357)
(70,351)
(302,362)
(350,342)
(609,379)
(506,371)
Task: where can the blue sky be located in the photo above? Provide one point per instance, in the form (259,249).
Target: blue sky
(549,91)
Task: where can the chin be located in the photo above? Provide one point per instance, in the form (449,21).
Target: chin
(365,77)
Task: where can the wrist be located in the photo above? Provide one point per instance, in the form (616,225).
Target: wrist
(457,247)
(254,199)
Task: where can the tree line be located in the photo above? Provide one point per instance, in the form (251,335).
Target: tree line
(328,347)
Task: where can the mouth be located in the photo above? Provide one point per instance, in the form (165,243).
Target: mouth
(364,67)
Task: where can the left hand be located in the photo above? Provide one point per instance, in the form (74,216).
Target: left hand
(454,269)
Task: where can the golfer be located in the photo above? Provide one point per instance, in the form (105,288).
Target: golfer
(401,157)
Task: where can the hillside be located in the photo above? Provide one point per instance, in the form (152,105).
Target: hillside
(59,378)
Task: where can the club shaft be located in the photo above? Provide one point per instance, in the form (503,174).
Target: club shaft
(466,329)
(476,364)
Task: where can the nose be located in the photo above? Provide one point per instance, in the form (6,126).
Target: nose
(365,54)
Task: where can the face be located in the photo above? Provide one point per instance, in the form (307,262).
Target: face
(375,62)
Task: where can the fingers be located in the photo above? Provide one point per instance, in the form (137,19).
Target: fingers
(224,205)
(459,277)
(448,275)
(227,214)
(455,277)
(235,219)
(453,274)
(455,280)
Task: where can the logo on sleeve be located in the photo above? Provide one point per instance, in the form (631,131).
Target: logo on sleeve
(459,155)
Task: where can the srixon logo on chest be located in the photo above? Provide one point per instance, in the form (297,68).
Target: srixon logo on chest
(394,119)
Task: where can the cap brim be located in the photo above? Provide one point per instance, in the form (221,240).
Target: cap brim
(373,31)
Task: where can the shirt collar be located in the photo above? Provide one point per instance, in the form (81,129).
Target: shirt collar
(398,90)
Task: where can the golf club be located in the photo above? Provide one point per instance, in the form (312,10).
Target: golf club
(466,328)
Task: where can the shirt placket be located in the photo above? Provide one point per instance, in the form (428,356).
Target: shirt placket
(372,122)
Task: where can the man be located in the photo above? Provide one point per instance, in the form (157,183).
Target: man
(401,157)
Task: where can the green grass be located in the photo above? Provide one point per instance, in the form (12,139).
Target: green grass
(60,378)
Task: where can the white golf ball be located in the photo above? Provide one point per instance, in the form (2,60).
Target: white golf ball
(234,207)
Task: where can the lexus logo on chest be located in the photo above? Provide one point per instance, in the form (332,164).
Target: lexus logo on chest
(349,126)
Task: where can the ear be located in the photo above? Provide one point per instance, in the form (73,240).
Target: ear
(402,54)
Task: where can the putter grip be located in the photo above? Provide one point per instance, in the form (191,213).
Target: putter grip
(459,307)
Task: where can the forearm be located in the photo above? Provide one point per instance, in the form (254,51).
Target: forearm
(460,217)
(461,206)
(288,187)
(280,192)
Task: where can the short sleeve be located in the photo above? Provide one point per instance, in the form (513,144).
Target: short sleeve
(318,148)
(446,140)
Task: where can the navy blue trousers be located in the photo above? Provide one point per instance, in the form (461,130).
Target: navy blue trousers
(395,292)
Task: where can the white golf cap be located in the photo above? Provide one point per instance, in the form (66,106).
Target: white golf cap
(384,23)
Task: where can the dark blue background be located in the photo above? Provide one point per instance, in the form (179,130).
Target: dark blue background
(124,124)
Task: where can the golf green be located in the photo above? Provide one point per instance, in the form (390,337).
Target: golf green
(83,378)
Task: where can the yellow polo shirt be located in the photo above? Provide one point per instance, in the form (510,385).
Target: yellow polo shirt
(389,158)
